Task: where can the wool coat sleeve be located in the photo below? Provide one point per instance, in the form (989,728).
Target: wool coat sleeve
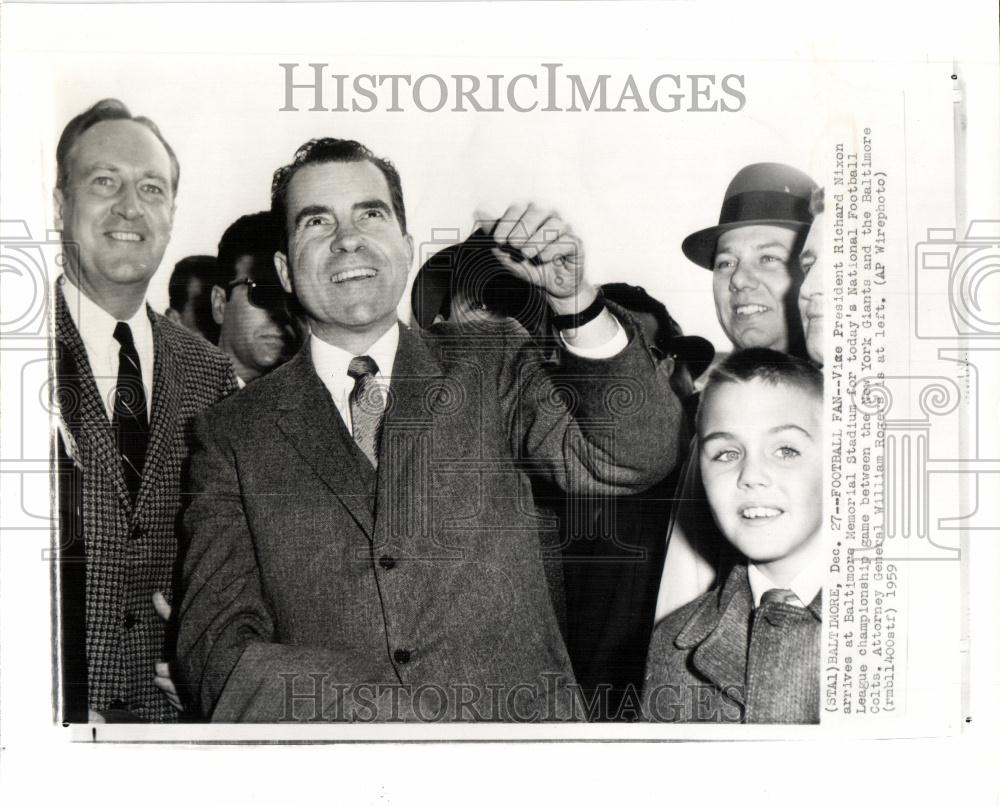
(603,427)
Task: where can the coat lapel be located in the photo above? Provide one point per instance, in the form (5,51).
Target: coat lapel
(82,410)
(168,383)
(719,632)
(417,389)
(309,420)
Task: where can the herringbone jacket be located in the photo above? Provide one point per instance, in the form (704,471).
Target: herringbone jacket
(719,660)
(130,553)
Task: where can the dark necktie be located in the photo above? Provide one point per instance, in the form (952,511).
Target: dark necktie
(780,596)
(367,401)
(129,420)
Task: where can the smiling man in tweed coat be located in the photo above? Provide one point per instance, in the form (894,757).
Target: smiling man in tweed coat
(340,570)
(128,384)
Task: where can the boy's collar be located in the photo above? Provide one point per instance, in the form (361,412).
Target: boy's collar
(805,585)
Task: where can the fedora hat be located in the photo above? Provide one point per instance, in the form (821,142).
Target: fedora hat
(765,193)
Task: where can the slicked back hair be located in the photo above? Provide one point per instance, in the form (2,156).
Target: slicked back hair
(257,234)
(332,149)
(768,366)
(107,109)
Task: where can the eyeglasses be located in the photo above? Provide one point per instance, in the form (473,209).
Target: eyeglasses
(261,295)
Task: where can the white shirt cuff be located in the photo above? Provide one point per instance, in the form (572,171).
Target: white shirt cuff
(609,349)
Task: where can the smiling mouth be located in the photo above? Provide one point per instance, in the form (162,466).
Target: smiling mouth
(353,274)
(749,309)
(753,513)
(127,237)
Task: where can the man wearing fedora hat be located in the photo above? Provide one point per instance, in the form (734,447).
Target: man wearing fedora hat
(752,253)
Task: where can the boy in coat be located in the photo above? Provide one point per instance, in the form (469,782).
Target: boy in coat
(749,649)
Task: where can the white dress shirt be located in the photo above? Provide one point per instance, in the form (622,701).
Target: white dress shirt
(331,362)
(805,585)
(97,330)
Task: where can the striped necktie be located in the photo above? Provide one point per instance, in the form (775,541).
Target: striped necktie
(780,596)
(129,420)
(367,401)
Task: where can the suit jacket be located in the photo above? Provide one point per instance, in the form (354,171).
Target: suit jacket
(116,556)
(313,588)
(719,660)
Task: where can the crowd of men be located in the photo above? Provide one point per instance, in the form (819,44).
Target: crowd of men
(278,502)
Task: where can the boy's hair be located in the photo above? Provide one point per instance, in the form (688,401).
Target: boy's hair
(760,363)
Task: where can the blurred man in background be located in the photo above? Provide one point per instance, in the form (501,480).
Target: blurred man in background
(190,291)
(256,329)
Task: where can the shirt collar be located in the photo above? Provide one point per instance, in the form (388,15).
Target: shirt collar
(96,325)
(331,361)
(805,585)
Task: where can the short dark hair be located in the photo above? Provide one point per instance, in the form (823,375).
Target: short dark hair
(763,364)
(257,234)
(107,109)
(332,149)
(635,299)
(201,268)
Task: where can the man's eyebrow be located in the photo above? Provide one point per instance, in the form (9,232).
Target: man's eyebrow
(373,204)
(154,175)
(772,244)
(101,166)
(112,168)
(310,210)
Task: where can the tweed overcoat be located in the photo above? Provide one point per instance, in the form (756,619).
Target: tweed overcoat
(126,553)
(718,660)
(309,586)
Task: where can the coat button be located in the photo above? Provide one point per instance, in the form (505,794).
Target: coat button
(130,620)
(387,562)
(401,656)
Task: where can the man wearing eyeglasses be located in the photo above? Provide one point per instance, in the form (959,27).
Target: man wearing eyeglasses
(248,304)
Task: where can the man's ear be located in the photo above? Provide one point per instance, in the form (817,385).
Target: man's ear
(284,275)
(409,249)
(218,304)
(59,202)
